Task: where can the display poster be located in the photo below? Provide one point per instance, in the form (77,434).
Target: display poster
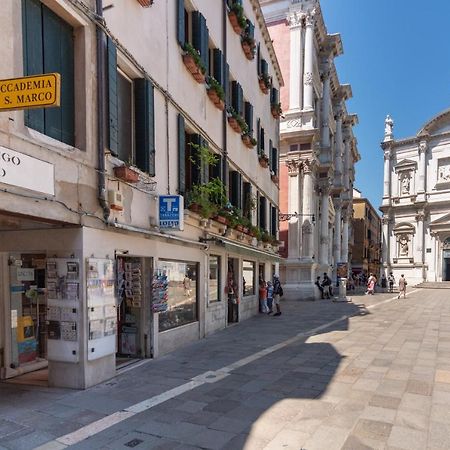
(63,308)
(102,309)
(342,270)
(160,290)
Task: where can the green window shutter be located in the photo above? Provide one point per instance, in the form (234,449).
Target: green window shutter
(264,67)
(258,58)
(33,58)
(145,125)
(234,95)
(262,143)
(218,66)
(181,156)
(270,154)
(258,209)
(274,160)
(273,220)
(274,96)
(240,100)
(205,45)
(248,108)
(113,135)
(250,29)
(262,213)
(258,135)
(204,172)
(197,32)
(247,193)
(226,81)
(216,170)
(59,57)
(234,191)
(181,38)
(195,162)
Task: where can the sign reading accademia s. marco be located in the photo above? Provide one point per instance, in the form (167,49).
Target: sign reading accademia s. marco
(36,91)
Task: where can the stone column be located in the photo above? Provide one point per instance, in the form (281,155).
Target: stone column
(338,166)
(293,207)
(419,256)
(345,237)
(308,206)
(387,175)
(385,242)
(324,233)
(326,98)
(422,167)
(346,172)
(337,247)
(295,20)
(308,76)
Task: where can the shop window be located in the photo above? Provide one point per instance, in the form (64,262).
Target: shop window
(214,290)
(48,46)
(182,295)
(248,275)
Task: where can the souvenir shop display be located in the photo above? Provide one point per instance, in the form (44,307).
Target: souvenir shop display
(160,291)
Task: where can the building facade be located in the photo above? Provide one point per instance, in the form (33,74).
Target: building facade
(416,205)
(317,147)
(162,108)
(366,224)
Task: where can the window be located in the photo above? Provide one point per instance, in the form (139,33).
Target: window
(182,301)
(248,274)
(262,216)
(237,97)
(235,189)
(48,46)
(273,158)
(248,117)
(214,279)
(131,131)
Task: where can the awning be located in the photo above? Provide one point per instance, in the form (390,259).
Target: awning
(246,250)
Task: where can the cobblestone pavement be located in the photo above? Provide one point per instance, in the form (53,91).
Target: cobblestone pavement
(371,374)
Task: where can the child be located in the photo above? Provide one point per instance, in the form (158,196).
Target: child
(270,297)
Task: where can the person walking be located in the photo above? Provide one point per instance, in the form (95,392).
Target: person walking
(391,281)
(270,297)
(371,285)
(263,296)
(402,286)
(326,284)
(277,293)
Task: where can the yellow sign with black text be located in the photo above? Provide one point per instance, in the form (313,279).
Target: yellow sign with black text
(36,91)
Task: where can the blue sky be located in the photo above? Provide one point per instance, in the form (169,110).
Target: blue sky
(397,59)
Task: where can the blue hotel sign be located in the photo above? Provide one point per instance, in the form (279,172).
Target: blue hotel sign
(171,212)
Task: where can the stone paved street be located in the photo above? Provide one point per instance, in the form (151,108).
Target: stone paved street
(374,373)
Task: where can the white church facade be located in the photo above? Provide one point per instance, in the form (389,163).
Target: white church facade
(416,202)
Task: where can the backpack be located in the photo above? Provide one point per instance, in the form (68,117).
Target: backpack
(280,291)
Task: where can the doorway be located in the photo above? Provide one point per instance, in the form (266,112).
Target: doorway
(233,290)
(446,276)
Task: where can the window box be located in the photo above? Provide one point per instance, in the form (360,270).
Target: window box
(127,174)
(145,3)
(248,141)
(234,124)
(276,110)
(249,46)
(192,61)
(263,161)
(265,83)
(218,103)
(216,93)
(275,178)
(221,219)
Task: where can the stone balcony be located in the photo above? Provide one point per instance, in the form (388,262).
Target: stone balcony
(296,124)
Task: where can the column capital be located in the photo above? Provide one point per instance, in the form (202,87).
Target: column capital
(308,166)
(420,216)
(423,146)
(385,220)
(296,19)
(293,166)
(310,18)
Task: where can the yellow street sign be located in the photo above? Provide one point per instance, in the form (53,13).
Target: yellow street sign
(36,91)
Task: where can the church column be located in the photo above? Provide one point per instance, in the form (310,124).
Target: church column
(293,204)
(324,232)
(326,98)
(385,242)
(308,206)
(345,232)
(346,172)
(338,148)
(308,77)
(419,256)
(295,20)
(387,175)
(337,231)
(422,167)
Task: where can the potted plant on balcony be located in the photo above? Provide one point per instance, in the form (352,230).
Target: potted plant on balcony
(263,160)
(216,93)
(127,172)
(276,110)
(237,17)
(265,82)
(274,177)
(237,122)
(193,62)
(248,45)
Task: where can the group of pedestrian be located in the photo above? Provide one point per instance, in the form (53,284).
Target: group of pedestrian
(270,294)
(324,286)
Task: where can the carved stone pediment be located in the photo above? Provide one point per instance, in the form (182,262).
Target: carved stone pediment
(405,165)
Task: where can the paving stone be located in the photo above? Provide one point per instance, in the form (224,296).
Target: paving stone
(361,443)
(384,401)
(407,438)
(330,438)
(372,429)
(412,419)
(221,406)
(379,414)
(439,435)
(287,439)
(419,387)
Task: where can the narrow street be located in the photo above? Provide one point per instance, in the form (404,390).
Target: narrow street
(374,373)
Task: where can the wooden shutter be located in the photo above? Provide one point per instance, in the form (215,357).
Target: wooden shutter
(264,67)
(181,35)
(216,170)
(204,168)
(258,135)
(218,66)
(273,220)
(195,160)
(236,189)
(226,82)
(247,193)
(262,142)
(262,213)
(200,36)
(274,96)
(248,108)
(270,154)
(274,160)
(235,95)
(113,135)
(250,29)
(59,123)
(33,55)
(145,125)
(181,156)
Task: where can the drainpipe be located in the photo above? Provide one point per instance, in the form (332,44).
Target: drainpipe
(224,115)
(101,95)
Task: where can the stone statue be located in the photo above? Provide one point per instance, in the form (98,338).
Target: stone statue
(403,241)
(405,185)
(388,128)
